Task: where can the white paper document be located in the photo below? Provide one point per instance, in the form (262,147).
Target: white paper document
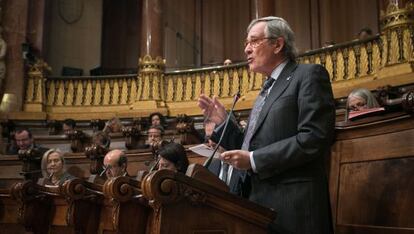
(204,150)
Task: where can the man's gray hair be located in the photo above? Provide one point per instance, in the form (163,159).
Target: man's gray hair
(278,27)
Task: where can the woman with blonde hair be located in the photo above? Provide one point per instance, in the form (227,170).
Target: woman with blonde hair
(53,167)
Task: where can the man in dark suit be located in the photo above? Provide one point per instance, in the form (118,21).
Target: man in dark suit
(24,142)
(289,134)
(29,153)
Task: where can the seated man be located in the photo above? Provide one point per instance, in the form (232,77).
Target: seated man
(155,134)
(24,142)
(173,157)
(115,164)
(68,126)
(364,33)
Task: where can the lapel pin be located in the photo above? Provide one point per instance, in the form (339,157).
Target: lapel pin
(288,78)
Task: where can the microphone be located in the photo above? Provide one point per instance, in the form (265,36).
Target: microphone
(103,172)
(210,159)
(51,175)
(155,165)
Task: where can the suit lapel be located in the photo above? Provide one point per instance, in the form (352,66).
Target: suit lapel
(233,179)
(278,88)
(215,167)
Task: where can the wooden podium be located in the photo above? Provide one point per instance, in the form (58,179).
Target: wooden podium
(181,204)
(163,202)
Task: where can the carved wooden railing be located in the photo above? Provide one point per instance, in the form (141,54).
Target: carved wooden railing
(91,91)
(352,60)
(379,60)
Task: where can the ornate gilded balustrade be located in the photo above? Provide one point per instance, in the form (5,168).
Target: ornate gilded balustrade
(381,60)
(348,61)
(220,81)
(91,91)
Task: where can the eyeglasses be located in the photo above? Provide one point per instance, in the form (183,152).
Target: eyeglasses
(108,167)
(256,41)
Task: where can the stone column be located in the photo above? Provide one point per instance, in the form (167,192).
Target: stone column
(36,21)
(150,94)
(262,8)
(152,36)
(397,26)
(15,18)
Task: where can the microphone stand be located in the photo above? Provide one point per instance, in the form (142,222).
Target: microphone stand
(103,172)
(210,159)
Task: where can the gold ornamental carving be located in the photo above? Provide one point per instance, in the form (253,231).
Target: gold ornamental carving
(149,65)
(35,93)
(396,17)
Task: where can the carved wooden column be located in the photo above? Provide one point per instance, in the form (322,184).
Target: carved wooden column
(262,8)
(35,87)
(152,41)
(15,18)
(397,30)
(150,93)
(36,25)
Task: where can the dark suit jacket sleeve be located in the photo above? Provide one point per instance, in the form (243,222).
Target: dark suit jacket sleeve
(315,125)
(233,137)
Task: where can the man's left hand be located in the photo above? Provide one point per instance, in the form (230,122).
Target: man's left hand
(239,159)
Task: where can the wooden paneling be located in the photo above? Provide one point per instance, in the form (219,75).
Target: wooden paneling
(181,48)
(341,20)
(357,150)
(224,26)
(236,20)
(212,31)
(297,14)
(121,34)
(380,190)
(371,176)
(203,32)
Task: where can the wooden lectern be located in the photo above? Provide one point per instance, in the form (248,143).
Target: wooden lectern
(181,204)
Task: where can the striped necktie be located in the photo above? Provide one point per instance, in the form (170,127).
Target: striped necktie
(258,105)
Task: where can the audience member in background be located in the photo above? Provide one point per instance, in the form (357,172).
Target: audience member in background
(69,125)
(364,33)
(227,62)
(115,164)
(243,124)
(24,141)
(173,157)
(155,134)
(102,139)
(113,125)
(328,44)
(53,167)
(157,119)
(360,99)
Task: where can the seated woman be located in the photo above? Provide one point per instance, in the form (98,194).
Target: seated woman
(53,167)
(157,119)
(113,125)
(173,157)
(359,100)
(102,139)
